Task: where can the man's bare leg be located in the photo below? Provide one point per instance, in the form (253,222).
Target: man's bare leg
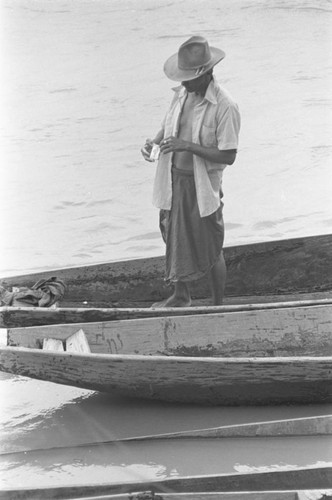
(217,279)
(180,298)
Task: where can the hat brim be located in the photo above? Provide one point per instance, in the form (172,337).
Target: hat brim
(173,72)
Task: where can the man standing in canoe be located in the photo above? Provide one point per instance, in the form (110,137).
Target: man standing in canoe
(198,139)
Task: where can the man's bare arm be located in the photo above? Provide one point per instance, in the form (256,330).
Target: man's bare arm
(213,154)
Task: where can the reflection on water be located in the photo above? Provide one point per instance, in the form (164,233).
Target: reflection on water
(32,406)
(42,424)
(159,460)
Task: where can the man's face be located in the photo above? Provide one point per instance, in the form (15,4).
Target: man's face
(198,84)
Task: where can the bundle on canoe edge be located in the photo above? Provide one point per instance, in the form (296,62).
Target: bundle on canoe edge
(44,293)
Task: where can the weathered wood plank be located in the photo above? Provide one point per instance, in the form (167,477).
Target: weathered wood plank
(264,332)
(217,381)
(294,479)
(12,317)
(50,344)
(77,342)
(286,266)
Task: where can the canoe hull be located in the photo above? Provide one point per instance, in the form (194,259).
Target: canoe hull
(275,271)
(274,332)
(269,354)
(300,265)
(209,381)
(281,480)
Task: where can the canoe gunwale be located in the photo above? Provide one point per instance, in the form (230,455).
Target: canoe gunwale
(167,358)
(273,480)
(16,317)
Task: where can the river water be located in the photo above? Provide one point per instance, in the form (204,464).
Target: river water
(82,86)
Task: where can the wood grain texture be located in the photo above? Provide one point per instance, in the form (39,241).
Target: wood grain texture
(292,331)
(52,345)
(77,342)
(216,381)
(15,317)
(275,267)
(280,480)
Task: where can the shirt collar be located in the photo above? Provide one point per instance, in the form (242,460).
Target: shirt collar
(179,89)
(210,94)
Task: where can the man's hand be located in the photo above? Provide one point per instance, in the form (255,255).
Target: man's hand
(171,144)
(146,150)
(213,154)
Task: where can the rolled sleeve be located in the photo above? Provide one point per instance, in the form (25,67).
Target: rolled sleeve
(228,128)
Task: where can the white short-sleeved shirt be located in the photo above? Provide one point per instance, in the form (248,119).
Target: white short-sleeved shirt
(216,123)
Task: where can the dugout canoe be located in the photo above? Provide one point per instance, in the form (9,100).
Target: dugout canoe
(281,480)
(255,357)
(270,351)
(261,273)
(322,494)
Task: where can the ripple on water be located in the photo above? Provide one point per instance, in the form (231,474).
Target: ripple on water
(148,460)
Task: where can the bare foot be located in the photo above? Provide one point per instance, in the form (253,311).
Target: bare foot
(173,301)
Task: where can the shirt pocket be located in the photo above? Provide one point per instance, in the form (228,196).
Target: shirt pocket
(208,136)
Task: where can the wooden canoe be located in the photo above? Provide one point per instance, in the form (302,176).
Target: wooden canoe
(294,427)
(260,273)
(321,494)
(260,353)
(244,495)
(260,357)
(278,481)
(202,380)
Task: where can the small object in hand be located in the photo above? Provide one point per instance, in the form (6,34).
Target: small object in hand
(148,146)
(154,155)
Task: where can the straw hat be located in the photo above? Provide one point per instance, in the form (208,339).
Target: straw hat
(194,58)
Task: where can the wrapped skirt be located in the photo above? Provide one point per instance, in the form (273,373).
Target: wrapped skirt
(193,243)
